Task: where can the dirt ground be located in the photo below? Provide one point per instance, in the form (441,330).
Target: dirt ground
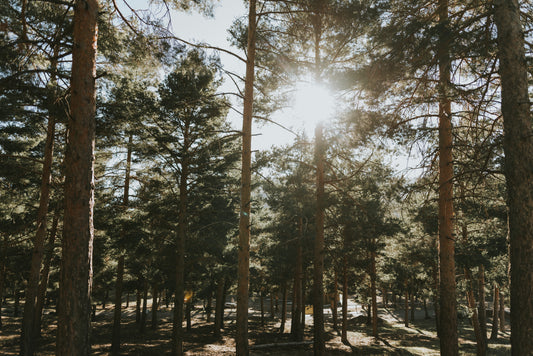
(394,338)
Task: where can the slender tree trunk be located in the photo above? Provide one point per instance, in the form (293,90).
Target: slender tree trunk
(142,327)
(413,307)
(318,262)
(272,311)
(262,302)
(344,332)
(44,276)
(241,336)
(518,148)
(115,341)
(138,306)
(480,340)
(76,265)
(188,314)
(16,292)
(28,330)
(495,305)
(177,327)
(482,311)
(219,307)
(208,307)
(426,313)
(436,299)
(502,311)
(406,315)
(296,322)
(373,294)
(155,305)
(283,307)
(3,261)
(334,301)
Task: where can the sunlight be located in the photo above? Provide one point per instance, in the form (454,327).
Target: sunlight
(312,103)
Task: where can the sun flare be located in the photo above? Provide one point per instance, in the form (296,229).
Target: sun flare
(312,103)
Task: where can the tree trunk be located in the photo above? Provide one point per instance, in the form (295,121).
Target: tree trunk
(138,306)
(283,307)
(344,332)
(272,310)
(406,315)
(76,264)
(495,305)
(480,340)
(502,311)
(44,276)
(16,292)
(115,341)
(3,261)
(296,320)
(219,307)
(373,294)
(426,313)
(262,302)
(413,307)
(334,301)
(142,326)
(155,305)
(241,335)
(448,310)
(208,308)
(436,280)
(177,327)
(318,261)
(518,149)
(188,309)
(482,311)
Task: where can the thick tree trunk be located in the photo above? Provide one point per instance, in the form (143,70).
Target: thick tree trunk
(518,148)
(318,260)
(44,276)
(219,307)
(480,340)
(155,305)
(344,332)
(283,307)
(373,294)
(448,309)
(241,335)
(482,310)
(495,306)
(76,264)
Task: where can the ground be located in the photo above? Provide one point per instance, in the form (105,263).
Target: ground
(394,338)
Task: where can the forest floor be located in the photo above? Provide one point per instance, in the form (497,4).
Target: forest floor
(394,338)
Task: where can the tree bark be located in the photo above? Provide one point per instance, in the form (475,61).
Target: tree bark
(44,276)
(406,315)
(142,326)
(344,332)
(373,294)
(448,309)
(495,305)
(296,322)
(28,330)
(2,274)
(518,149)
(262,302)
(480,340)
(482,310)
(241,335)
(334,301)
(283,307)
(219,307)
(502,311)
(155,305)
(76,267)
(115,341)
(318,260)
(138,301)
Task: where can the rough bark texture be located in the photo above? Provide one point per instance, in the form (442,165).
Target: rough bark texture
(76,265)
(448,312)
(502,312)
(518,148)
(241,335)
(318,259)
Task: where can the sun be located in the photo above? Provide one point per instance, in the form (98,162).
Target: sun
(312,103)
